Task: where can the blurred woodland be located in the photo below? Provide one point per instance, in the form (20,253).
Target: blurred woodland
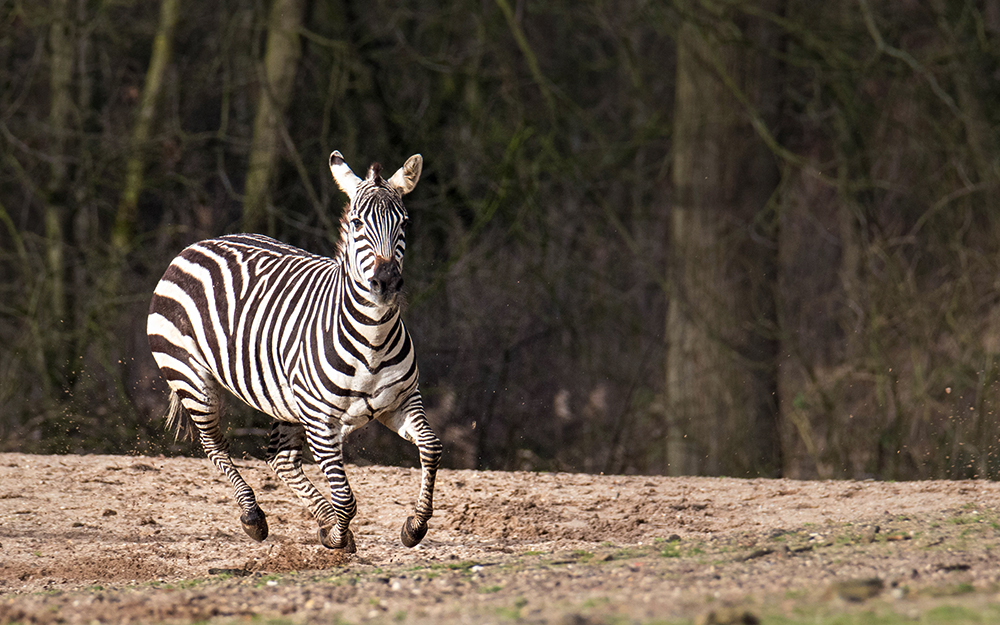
(744,237)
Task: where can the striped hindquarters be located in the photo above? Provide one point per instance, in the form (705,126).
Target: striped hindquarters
(233,309)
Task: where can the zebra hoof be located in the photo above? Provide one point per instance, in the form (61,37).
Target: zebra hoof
(254,524)
(348,545)
(412,534)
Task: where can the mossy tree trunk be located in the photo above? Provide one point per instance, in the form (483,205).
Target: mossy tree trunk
(281,59)
(721,322)
(122,235)
(51,323)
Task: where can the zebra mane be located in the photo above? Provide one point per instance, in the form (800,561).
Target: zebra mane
(341,248)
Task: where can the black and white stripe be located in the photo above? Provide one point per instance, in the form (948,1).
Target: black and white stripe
(315,342)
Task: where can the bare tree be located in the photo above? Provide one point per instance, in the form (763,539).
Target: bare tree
(60,110)
(281,59)
(721,367)
(121,238)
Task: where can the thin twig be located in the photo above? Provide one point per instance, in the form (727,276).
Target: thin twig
(529,54)
(904,56)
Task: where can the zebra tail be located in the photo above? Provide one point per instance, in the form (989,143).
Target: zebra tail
(179,419)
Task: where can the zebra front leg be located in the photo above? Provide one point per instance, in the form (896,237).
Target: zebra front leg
(204,410)
(326,444)
(410,422)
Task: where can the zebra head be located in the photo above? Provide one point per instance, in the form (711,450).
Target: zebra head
(373,230)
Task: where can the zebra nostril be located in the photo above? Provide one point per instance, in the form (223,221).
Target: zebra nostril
(392,283)
(376,285)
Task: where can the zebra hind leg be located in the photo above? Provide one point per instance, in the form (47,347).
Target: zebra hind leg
(284,456)
(410,422)
(205,409)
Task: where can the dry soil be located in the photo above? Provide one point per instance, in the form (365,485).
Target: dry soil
(121,538)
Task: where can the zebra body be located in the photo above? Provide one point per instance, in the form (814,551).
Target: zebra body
(315,342)
(304,371)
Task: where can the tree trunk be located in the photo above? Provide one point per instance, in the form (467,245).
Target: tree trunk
(61,107)
(281,59)
(721,320)
(123,233)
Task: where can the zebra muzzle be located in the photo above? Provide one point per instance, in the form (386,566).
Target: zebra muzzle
(387,278)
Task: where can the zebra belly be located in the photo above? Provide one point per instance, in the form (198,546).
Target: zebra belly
(361,410)
(284,408)
(361,405)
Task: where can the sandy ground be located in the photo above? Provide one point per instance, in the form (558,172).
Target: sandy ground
(121,538)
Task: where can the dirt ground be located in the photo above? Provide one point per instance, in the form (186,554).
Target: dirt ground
(121,538)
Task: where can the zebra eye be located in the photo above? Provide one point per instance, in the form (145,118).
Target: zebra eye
(406,223)
(357,224)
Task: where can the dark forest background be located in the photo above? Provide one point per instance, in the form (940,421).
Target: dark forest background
(720,237)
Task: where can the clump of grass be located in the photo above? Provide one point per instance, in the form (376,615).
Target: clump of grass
(671,549)
(951,591)
(461,566)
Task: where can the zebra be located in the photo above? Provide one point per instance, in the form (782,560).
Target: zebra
(317,343)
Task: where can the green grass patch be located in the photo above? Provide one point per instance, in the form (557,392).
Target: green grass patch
(953,614)
(884,612)
(183,584)
(509,613)
(696,550)
(950,591)
(512,612)
(263,581)
(593,602)
(868,617)
(628,553)
(671,550)
(462,566)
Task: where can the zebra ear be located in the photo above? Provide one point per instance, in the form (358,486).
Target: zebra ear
(346,180)
(406,177)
